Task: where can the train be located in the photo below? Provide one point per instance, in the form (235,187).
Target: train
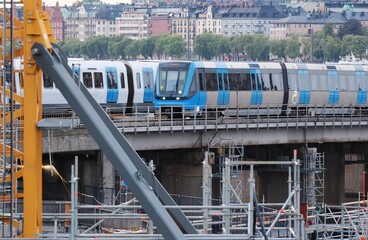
(118,86)
(260,88)
(193,87)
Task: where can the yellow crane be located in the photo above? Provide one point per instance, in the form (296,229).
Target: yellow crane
(35,27)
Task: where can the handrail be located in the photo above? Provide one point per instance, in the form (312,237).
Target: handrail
(247,117)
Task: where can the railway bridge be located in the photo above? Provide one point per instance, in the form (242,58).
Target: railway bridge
(177,145)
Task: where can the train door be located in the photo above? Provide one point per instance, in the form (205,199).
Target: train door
(148,84)
(256,86)
(223,87)
(333,86)
(112,85)
(362,87)
(200,76)
(304,84)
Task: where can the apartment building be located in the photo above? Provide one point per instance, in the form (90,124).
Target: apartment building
(188,22)
(56,21)
(249,20)
(160,21)
(209,20)
(106,20)
(133,22)
(183,24)
(81,23)
(91,20)
(303,25)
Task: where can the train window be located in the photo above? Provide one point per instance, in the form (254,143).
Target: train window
(226,82)
(111,80)
(234,81)
(364,82)
(171,80)
(148,80)
(293,83)
(87,79)
(259,81)
(277,82)
(201,81)
(343,83)
(351,83)
(138,80)
(322,82)
(193,89)
(98,80)
(211,82)
(314,82)
(256,82)
(219,79)
(245,79)
(47,82)
(181,83)
(122,80)
(267,83)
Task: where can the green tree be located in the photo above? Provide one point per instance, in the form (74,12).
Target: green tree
(160,45)
(221,46)
(132,50)
(237,45)
(176,47)
(147,47)
(329,29)
(333,49)
(277,48)
(306,49)
(117,47)
(204,44)
(257,47)
(353,44)
(96,47)
(72,47)
(292,49)
(351,27)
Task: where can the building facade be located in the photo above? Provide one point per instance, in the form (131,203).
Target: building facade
(133,23)
(56,22)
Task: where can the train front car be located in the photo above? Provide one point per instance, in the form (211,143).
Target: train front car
(176,89)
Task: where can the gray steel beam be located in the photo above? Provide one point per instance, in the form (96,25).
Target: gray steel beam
(114,145)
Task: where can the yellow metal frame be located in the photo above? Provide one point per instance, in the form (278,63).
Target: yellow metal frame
(35,28)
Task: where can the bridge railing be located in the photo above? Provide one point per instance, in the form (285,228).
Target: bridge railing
(174,119)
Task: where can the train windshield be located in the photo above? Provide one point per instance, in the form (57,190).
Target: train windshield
(172,78)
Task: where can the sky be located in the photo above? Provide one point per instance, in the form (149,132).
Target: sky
(70,2)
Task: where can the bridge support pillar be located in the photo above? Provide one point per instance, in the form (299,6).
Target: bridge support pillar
(108,179)
(335,169)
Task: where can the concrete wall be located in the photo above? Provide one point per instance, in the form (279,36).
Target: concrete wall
(180,171)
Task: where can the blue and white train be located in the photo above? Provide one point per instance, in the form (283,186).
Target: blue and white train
(117,86)
(193,86)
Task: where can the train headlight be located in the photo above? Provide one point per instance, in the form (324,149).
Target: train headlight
(163,98)
(197,109)
(177,98)
(180,91)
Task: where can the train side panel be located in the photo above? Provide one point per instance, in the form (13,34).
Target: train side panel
(211,84)
(273,87)
(105,80)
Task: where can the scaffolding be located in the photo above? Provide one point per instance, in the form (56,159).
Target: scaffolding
(314,180)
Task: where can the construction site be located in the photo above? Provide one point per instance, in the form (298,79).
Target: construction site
(142,208)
